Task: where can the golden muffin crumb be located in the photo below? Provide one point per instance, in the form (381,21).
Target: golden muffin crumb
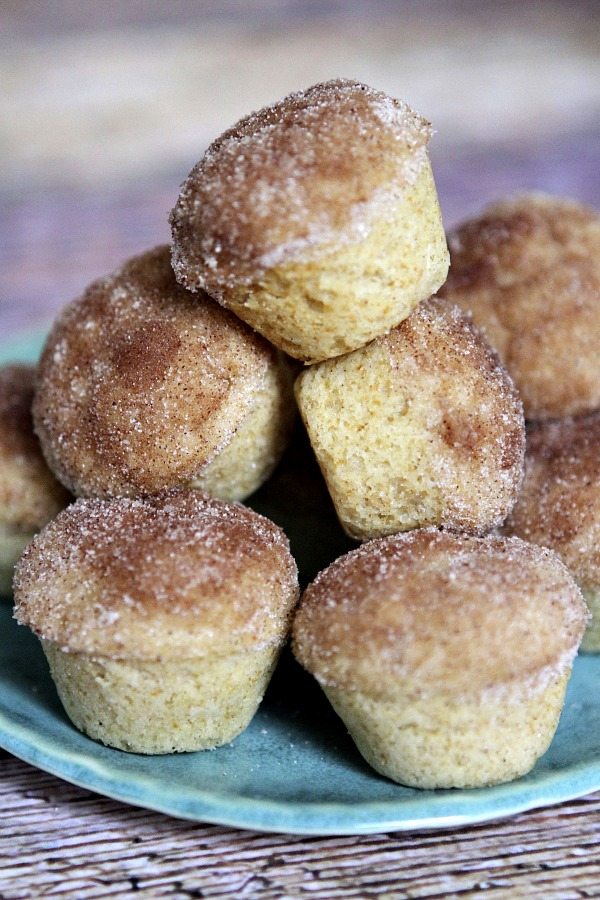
(528,269)
(141,386)
(423,426)
(171,706)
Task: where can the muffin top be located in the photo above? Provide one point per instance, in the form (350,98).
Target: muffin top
(141,384)
(29,494)
(559,504)
(429,613)
(306,172)
(178,575)
(528,269)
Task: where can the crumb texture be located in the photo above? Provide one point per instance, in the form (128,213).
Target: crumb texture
(178,575)
(528,269)
(421,427)
(161,707)
(349,294)
(442,744)
(591,638)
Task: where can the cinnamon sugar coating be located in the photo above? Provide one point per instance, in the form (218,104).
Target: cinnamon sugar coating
(175,576)
(141,385)
(291,176)
(29,494)
(429,613)
(559,503)
(528,269)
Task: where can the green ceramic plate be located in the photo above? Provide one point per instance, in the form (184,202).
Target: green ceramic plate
(295,768)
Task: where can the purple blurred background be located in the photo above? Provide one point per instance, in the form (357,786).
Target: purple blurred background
(105,107)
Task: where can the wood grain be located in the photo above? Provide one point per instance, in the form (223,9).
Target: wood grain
(57,838)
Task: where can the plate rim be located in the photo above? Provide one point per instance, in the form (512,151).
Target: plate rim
(296,817)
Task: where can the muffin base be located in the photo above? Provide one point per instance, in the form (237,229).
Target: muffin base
(443,743)
(591,637)
(379,461)
(337,299)
(168,706)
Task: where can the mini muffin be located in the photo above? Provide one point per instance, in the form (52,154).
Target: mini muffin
(421,427)
(144,387)
(446,656)
(528,270)
(559,504)
(315,220)
(161,618)
(29,494)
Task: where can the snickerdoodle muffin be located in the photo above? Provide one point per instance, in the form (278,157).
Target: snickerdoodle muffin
(144,387)
(421,427)
(559,504)
(29,494)
(528,269)
(446,656)
(315,220)
(161,618)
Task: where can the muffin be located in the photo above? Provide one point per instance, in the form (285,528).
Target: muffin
(161,618)
(144,387)
(29,494)
(421,427)
(315,220)
(559,503)
(447,656)
(528,270)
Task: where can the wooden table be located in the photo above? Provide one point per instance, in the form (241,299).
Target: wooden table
(104,108)
(57,838)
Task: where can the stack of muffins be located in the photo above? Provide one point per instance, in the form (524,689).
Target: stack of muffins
(310,232)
